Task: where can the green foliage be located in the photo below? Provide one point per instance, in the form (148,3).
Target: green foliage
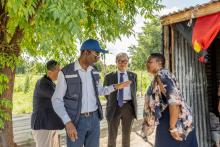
(27,83)
(26,66)
(110,68)
(143,82)
(5,105)
(8,60)
(23,101)
(20,69)
(38,68)
(52,28)
(3,83)
(149,41)
(19,88)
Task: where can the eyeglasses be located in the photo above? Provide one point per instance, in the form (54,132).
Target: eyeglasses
(149,62)
(123,61)
(96,56)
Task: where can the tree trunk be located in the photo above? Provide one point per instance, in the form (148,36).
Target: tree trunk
(6,135)
(11,47)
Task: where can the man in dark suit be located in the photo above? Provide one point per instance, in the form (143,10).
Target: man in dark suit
(121,104)
(45,123)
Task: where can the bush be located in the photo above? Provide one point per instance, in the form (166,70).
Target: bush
(23,101)
(19,88)
(27,83)
(143,82)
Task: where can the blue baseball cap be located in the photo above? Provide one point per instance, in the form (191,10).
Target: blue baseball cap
(92,44)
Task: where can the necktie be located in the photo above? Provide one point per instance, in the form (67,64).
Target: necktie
(121,92)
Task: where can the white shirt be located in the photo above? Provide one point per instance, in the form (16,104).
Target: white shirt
(89,102)
(126,90)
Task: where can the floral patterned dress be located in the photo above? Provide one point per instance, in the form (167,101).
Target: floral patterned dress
(164,91)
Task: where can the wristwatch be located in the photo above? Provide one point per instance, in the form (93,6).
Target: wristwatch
(114,85)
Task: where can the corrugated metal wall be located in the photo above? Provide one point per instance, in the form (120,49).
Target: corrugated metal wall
(217,53)
(211,78)
(213,74)
(192,78)
(218,58)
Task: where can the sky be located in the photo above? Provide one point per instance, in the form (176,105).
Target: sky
(123,44)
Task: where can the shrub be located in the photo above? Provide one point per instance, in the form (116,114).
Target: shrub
(27,83)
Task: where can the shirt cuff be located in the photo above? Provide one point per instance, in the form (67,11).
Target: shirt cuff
(66,119)
(111,88)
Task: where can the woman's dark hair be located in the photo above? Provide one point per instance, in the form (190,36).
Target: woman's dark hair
(51,64)
(159,57)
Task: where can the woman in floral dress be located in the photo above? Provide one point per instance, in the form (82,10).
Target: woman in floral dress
(164,101)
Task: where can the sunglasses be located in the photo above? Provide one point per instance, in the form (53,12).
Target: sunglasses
(96,56)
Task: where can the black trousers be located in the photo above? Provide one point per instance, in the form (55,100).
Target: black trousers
(125,114)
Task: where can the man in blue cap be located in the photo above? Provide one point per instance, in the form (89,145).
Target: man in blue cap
(75,99)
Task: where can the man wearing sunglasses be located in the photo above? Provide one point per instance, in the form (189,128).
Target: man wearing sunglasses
(121,104)
(76,100)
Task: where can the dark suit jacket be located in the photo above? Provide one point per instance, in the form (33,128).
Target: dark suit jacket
(43,116)
(112,78)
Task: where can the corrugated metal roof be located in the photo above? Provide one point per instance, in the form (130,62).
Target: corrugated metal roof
(190,8)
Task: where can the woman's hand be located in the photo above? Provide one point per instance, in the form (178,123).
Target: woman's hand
(176,135)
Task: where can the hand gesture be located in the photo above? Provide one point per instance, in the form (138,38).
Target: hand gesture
(71,131)
(122,85)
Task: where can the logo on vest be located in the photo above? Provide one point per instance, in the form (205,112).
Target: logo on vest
(71,76)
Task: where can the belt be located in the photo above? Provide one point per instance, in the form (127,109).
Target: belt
(87,114)
(127,101)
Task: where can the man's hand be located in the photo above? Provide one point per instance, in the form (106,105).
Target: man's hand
(71,131)
(122,85)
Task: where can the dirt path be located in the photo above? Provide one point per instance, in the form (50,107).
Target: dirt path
(136,141)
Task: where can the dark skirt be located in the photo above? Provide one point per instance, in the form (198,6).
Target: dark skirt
(164,139)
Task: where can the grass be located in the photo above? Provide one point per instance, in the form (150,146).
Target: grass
(22,100)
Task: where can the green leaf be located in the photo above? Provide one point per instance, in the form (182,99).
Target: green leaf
(5,103)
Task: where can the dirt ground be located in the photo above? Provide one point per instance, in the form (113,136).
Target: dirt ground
(136,140)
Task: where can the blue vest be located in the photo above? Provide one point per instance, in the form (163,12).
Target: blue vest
(73,97)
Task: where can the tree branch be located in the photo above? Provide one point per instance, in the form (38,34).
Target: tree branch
(4,5)
(38,5)
(17,36)
(3,20)
(19,32)
(0,5)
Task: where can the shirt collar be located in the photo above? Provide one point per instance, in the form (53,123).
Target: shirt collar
(125,73)
(47,77)
(78,66)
